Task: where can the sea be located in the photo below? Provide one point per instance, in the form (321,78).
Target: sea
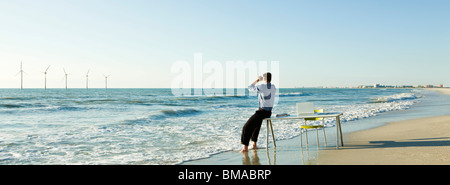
(153,126)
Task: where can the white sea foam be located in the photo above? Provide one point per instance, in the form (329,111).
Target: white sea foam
(396,97)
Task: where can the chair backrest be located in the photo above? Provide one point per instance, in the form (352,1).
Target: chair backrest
(305,108)
(318,111)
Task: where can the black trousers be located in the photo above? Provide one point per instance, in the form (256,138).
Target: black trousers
(253,125)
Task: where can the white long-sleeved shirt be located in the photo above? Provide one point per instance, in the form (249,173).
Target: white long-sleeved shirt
(266,94)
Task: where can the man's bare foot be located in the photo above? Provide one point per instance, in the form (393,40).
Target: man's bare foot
(254,145)
(245,149)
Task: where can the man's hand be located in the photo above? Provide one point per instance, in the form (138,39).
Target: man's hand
(256,81)
(259,78)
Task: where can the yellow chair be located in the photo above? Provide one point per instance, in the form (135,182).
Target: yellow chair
(305,126)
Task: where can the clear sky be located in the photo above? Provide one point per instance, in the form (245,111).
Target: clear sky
(317,42)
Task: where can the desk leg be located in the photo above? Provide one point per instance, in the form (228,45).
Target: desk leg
(267,137)
(338,121)
(338,124)
(273,136)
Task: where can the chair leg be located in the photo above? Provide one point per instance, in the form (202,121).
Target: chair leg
(324,135)
(301,138)
(306,137)
(317,136)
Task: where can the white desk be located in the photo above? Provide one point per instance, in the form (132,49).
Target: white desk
(317,115)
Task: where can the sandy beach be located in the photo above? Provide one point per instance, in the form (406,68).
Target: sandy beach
(424,141)
(441,90)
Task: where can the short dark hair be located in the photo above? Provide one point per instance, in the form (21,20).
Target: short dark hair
(268,76)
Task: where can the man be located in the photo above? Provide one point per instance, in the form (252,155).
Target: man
(266,96)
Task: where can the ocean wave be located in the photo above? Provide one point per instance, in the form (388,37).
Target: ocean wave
(231,106)
(163,114)
(356,112)
(19,98)
(181,112)
(61,108)
(21,105)
(70,108)
(170,113)
(98,101)
(395,97)
(292,94)
(143,102)
(10,106)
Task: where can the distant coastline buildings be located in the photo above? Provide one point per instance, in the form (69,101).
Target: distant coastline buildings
(400,86)
(379,86)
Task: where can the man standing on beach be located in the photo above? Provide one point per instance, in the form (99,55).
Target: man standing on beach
(266,96)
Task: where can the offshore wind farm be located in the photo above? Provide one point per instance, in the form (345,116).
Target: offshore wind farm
(65,73)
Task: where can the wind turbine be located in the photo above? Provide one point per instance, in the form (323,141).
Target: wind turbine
(87,79)
(21,76)
(106,81)
(45,78)
(65,76)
